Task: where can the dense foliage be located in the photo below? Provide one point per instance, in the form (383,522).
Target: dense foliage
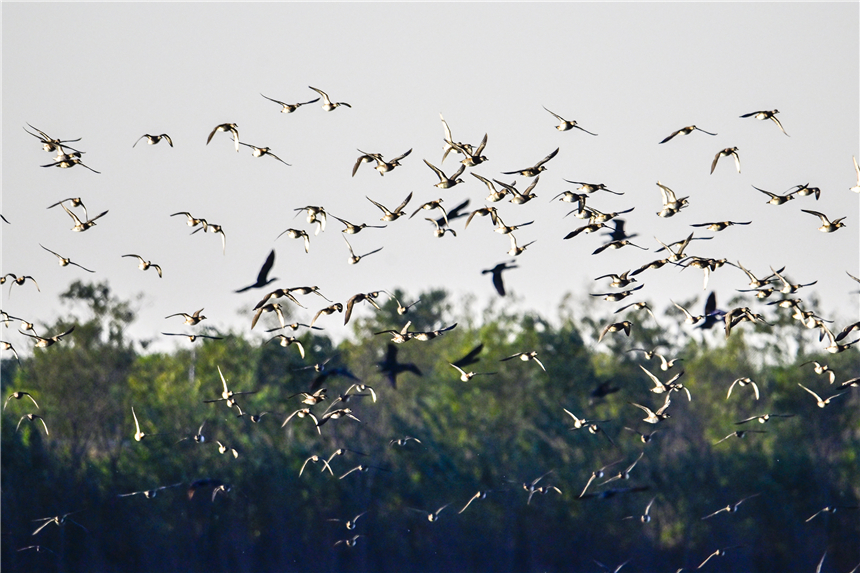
(491,434)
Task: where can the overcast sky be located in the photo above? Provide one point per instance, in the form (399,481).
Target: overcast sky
(632,73)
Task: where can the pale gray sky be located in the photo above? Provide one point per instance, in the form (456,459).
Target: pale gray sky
(632,73)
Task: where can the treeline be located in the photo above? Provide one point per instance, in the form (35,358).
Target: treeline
(493,434)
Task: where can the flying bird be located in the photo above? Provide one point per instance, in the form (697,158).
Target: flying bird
(226,127)
(290,107)
(497,275)
(686,131)
(153,139)
(327,104)
(765,115)
(565,125)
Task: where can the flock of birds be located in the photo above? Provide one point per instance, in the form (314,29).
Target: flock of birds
(281,303)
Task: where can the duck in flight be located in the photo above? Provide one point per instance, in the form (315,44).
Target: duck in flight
(565,125)
(261,151)
(327,104)
(153,139)
(497,271)
(535,169)
(290,107)
(263,276)
(65,261)
(226,127)
(143,264)
(686,131)
(728,151)
(765,115)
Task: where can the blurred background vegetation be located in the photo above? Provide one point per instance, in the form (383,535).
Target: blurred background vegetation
(493,434)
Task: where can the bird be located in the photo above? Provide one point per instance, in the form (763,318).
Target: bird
(360,468)
(403,441)
(589,188)
(198,437)
(686,131)
(349,523)
(65,261)
(143,264)
(59,520)
(191,220)
(302,413)
(81,226)
(720,225)
(533,488)
(222,449)
(497,271)
(474,157)
(353,258)
(617,296)
(743,382)
(430,205)
(261,151)
(315,459)
(660,414)
(645,517)
(30,418)
(805,190)
(19,395)
(352,229)
(446,182)
(226,127)
(565,125)
(466,376)
(193,337)
(625,474)
(535,169)
(153,139)
(50,144)
(827,226)
(401,310)
(494,196)
(389,215)
(431,516)
(16,280)
(290,107)
(285,341)
(733,151)
(336,307)
(515,249)
(382,166)
(763,418)
(526,357)
(351,542)
(624,326)
(392,368)
(821,403)
(644,438)
(764,115)
(597,474)
(830,509)
(298,234)
(481,494)
(740,434)
(359,298)
(776,199)
(717,553)
(316,214)
(190,319)
(64,161)
(263,276)
(46,341)
(731,508)
(329,105)
(616,245)
(150,493)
